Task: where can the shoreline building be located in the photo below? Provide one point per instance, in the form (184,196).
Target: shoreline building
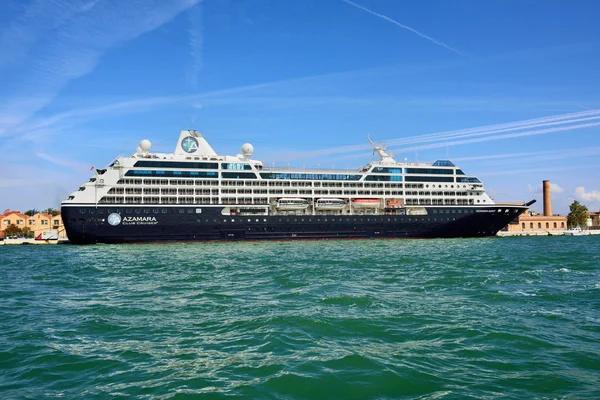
(593,221)
(532,222)
(36,223)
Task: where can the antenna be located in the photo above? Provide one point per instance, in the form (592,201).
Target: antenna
(380,149)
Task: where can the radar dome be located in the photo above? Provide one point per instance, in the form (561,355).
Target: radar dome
(247,149)
(145,145)
(138,150)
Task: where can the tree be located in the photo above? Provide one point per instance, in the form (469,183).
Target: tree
(52,212)
(31,213)
(27,232)
(12,230)
(578,215)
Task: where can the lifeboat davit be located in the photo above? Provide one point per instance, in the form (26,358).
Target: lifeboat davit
(394,204)
(366,203)
(330,204)
(292,204)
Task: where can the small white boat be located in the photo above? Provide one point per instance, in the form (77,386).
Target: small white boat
(292,204)
(330,204)
(576,232)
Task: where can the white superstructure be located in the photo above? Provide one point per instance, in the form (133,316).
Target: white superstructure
(194,174)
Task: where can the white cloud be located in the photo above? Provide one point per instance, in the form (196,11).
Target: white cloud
(581,194)
(554,188)
(77,166)
(65,43)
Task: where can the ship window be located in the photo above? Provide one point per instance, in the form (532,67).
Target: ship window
(128,210)
(165,210)
(331,177)
(443,163)
(383,178)
(239,175)
(175,164)
(428,171)
(428,179)
(155,210)
(179,174)
(236,166)
(387,170)
(82,211)
(468,180)
(137,211)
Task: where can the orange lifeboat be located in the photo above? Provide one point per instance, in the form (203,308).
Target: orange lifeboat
(394,203)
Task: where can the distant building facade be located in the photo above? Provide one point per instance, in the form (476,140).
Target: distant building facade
(36,223)
(528,222)
(531,222)
(593,220)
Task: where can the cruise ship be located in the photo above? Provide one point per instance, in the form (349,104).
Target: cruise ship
(194,194)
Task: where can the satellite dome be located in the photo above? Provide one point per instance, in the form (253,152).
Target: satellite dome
(145,145)
(247,149)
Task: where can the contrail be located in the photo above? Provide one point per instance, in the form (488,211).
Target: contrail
(526,124)
(443,137)
(490,132)
(416,32)
(505,136)
(196,43)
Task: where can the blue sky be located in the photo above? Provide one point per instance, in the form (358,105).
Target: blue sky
(506,89)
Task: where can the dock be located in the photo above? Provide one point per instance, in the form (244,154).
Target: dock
(540,233)
(22,241)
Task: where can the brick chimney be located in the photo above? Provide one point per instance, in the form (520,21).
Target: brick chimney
(547,199)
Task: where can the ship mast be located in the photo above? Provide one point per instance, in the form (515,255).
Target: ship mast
(380,148)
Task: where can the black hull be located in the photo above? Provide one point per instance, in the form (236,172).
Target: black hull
(134,224)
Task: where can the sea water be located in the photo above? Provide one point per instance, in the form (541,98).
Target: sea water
(366,319)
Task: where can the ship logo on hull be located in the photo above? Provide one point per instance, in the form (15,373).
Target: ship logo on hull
(189,144)
(114,219)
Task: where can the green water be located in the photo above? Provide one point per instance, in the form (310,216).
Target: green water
(372,319)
